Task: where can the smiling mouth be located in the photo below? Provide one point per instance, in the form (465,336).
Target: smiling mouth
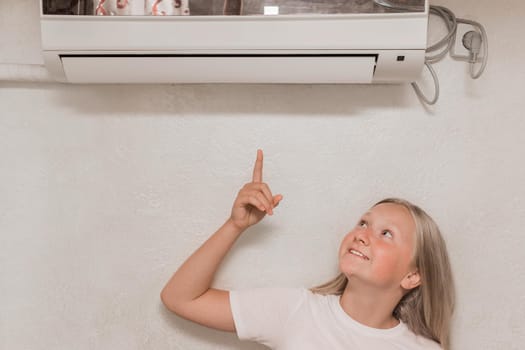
(358,253)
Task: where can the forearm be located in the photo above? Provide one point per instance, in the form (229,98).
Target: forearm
(188,292)
(195,275)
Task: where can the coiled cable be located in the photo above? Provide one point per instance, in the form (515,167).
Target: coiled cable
(446,45)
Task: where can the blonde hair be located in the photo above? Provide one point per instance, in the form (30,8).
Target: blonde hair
(427,309)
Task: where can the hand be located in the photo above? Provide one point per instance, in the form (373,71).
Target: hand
(254,200)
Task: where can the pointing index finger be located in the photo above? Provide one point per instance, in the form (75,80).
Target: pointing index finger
(257,170)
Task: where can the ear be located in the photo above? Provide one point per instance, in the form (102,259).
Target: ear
(411,280)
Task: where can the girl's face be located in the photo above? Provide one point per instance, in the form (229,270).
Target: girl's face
(379,250)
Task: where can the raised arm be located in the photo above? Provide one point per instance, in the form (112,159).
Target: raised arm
(188,292)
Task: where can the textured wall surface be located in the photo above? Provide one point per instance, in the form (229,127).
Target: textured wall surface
(105,190)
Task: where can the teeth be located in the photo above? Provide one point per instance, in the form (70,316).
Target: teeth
(356,253)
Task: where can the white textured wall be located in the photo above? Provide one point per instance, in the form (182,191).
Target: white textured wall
(105,190)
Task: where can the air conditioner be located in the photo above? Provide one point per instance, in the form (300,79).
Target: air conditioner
(385,46)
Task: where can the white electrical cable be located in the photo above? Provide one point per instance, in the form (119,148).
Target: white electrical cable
(450,21)
(446,45)
(485,51)
(420,94)
(404,7)
(449,41)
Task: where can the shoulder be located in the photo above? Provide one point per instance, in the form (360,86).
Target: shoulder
(278,301)
(429,344)
(262,314)
(420,342)
(285,294)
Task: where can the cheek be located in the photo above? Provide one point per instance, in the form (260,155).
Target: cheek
(392,264)
(387,264)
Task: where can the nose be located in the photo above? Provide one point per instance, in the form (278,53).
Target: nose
(362,236)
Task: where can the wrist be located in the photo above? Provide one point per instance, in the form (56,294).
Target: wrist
(230,225)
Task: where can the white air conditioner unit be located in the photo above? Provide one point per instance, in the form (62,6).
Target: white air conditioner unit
(385,47)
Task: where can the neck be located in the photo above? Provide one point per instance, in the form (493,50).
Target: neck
(369,306)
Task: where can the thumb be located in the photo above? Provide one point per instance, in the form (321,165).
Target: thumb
(277,199)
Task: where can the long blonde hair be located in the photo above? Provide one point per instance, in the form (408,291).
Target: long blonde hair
(427,309)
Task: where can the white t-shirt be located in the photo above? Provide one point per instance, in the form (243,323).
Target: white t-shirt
(297,319)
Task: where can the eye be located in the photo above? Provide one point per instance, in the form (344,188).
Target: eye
(387,234)
(362,223)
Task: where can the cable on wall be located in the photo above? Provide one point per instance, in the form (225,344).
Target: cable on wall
(420,94)
(472,42)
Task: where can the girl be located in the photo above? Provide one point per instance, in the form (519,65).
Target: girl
(394,290)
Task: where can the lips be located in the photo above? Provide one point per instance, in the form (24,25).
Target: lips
(358,253)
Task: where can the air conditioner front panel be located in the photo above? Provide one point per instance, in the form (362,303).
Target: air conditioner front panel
(298,33)
(220,69)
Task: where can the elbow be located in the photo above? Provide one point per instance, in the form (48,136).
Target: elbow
(172,301)
(173,304)
(167,301)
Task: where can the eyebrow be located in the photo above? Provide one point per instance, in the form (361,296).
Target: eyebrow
(389,226)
